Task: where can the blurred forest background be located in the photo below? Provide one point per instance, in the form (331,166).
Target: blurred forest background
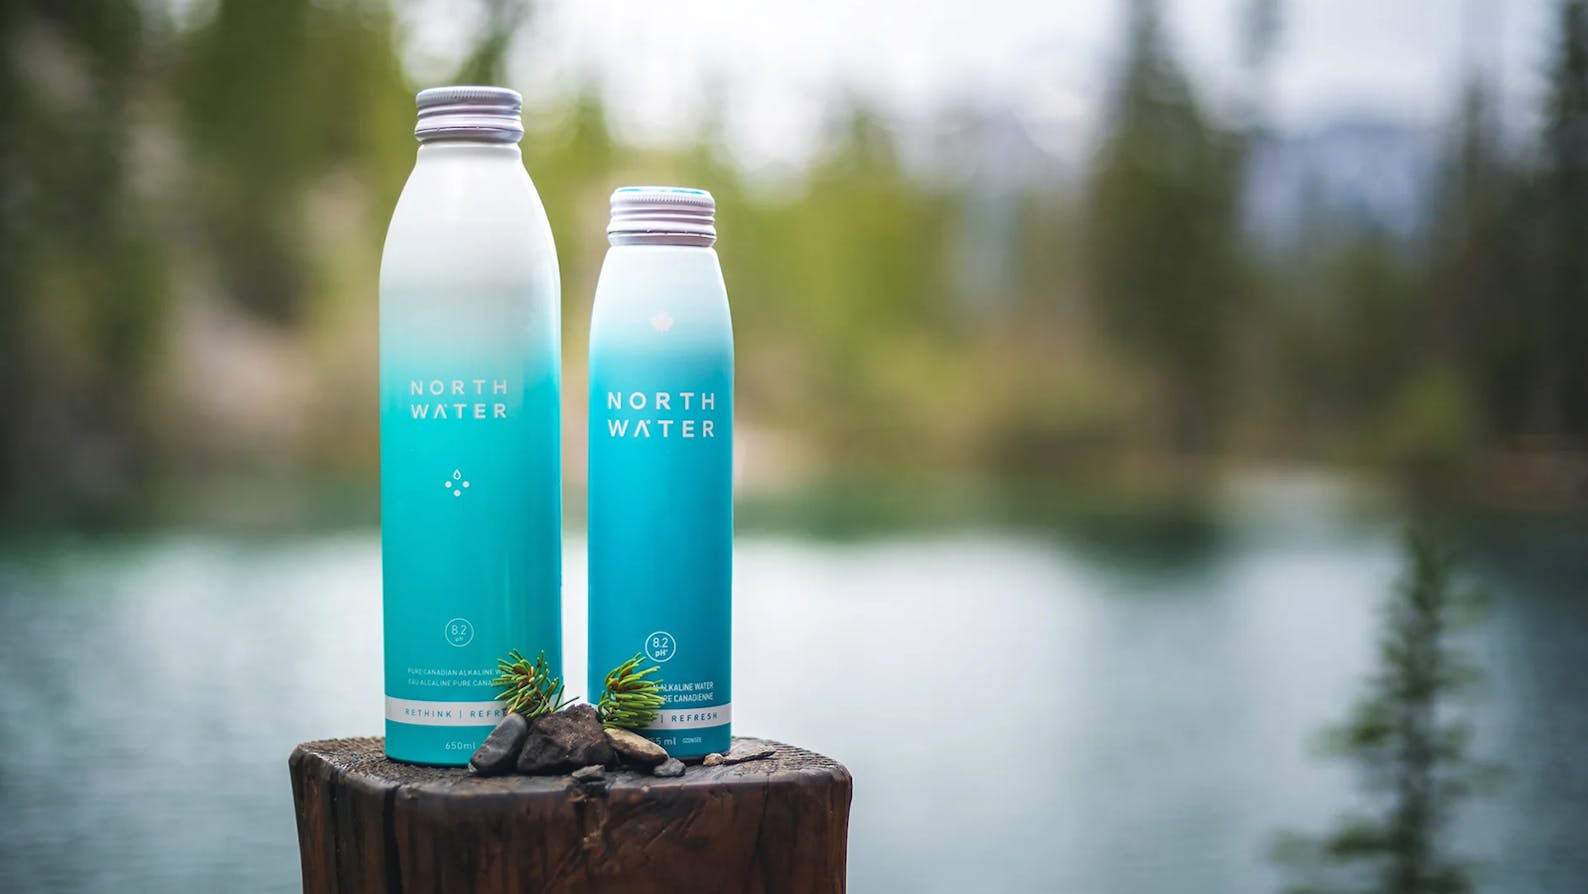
(193,198)
(1115,325)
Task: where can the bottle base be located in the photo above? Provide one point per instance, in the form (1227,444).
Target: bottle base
(433,746)
(687,743)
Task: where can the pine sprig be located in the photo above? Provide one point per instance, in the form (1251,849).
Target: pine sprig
(529,689)
(629,700)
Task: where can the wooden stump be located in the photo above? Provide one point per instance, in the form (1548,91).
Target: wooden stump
(368,824)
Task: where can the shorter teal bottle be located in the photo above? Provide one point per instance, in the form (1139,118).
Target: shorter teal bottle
(661,462)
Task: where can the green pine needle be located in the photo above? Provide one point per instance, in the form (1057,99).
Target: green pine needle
(629,700)
(529,689)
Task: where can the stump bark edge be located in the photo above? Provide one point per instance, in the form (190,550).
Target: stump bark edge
(369,824)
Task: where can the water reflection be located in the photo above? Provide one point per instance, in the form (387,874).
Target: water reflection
(1020,712)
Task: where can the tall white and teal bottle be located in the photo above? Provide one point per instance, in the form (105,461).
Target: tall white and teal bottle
(471,501)
(661,462)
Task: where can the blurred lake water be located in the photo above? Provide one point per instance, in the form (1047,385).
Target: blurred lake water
(1021,711)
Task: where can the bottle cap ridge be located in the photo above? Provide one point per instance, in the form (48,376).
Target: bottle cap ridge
(464,112)
(662,215)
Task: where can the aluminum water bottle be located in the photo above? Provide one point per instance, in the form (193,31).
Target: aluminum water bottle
(471,502)
(661,462)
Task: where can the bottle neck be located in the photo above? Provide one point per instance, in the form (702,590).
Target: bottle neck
(677,240)
(469,150)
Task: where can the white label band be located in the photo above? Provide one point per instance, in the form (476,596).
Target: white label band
(692,718)
(407,710)
(422,713)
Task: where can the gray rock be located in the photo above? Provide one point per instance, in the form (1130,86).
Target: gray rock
(635,748)
(739,752)
(670,767)
(565,741)
(713,759)
(592,773)
(499,752)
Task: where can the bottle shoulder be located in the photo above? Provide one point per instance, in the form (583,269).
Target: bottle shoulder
(463,191)
(460,216)
(654,268)
(662,300)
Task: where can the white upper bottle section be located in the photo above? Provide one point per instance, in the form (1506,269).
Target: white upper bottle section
(469,230)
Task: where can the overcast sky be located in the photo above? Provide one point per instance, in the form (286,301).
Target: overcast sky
(778,66)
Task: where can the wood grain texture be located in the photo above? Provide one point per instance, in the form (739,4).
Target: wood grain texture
(368,824)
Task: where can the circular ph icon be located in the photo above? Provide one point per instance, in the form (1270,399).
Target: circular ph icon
(460,632)
(659,646)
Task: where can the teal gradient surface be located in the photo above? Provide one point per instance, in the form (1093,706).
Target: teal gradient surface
(471,501)
(661,483)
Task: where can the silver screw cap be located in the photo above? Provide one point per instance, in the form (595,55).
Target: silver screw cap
(489,114)
(662,215)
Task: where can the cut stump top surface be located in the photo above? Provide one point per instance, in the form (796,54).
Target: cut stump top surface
(363,762)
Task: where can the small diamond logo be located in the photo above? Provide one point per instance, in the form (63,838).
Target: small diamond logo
(661,322)
(456,484)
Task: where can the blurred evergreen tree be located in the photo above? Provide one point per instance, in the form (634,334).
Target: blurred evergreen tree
(82,262)
(1560,399)
(486,62)
(1479,302)
(1261,23)
(1164,260)
(1411,751)
(572,160)
(275,97)
(863,255)
(1374,325)
(1348,333)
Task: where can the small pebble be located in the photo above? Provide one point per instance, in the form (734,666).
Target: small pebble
(499,752)
(741,752)
(712,759)
(670,767)
(635,748)
(592,773)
